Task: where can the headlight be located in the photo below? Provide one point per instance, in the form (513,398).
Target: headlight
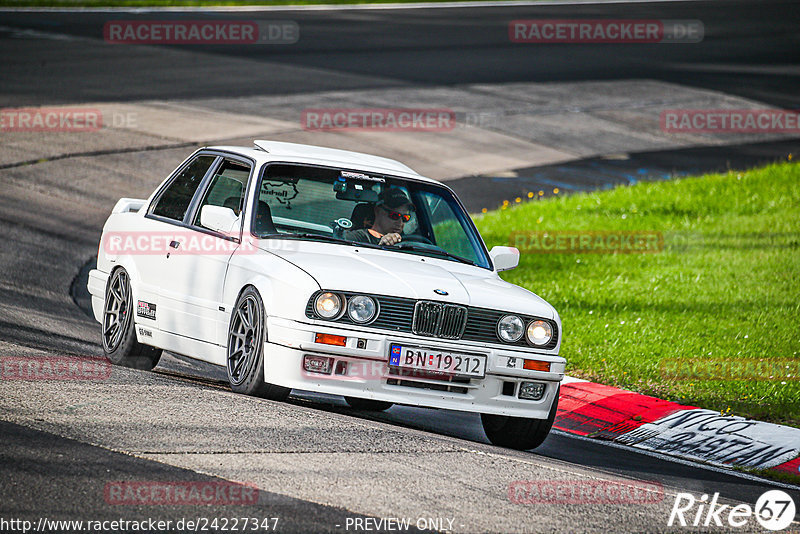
(539,332)
(328,305)
(362,309)
(510,328)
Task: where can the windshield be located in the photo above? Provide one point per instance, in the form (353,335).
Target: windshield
(321,203)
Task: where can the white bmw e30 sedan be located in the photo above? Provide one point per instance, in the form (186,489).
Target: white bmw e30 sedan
(330,271)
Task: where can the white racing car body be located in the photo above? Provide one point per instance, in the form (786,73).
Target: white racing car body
(271,262)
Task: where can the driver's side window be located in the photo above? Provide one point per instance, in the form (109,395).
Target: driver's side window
(227,189)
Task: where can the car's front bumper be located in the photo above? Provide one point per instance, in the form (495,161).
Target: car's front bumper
(367,374)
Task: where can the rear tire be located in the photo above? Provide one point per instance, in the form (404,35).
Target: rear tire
(519,432)
(245,359)
(368,405)
(118,329)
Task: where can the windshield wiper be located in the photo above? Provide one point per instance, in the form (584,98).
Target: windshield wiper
(408,245)
(319,237)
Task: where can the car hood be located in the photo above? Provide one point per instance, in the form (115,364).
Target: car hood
(380,272)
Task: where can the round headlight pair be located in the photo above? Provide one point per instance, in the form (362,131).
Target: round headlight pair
(360,308)
(511,328)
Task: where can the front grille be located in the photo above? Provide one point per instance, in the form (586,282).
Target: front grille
(436,319)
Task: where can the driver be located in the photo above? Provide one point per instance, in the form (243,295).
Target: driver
(392,211)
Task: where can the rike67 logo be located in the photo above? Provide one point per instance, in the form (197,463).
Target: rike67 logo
(774,510)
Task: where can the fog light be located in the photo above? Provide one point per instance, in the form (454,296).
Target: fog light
(531,390)
(317,364)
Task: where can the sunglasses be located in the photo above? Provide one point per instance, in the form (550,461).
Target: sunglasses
(395,215)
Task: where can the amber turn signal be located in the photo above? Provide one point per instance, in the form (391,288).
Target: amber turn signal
(330,339)
(535,365)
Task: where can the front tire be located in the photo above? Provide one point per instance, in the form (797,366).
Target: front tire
(368,405)
(118,330)
(519,433)
(245,360)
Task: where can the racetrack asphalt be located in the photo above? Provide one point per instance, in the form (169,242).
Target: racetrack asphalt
(314,462)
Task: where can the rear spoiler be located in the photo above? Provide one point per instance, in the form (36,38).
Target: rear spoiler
(128,205)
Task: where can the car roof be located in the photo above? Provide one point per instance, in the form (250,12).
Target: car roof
(298,153)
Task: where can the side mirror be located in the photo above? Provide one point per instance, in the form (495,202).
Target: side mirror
(504,258)
(218,218)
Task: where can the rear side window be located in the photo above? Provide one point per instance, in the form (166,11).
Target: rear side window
(175,200)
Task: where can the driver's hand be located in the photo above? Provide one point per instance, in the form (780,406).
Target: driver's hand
(390,239)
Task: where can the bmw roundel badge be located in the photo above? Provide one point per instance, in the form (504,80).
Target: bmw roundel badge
(440,292)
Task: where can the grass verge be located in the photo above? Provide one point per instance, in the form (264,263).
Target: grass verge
(711,320)
(771,474)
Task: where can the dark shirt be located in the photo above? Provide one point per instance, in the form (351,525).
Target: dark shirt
(361,235)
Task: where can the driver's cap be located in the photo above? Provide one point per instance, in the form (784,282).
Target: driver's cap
(394,197)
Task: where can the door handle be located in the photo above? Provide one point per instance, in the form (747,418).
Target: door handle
(174,244)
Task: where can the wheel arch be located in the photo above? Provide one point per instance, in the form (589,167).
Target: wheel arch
(127,263)
(283,288)
(261,284)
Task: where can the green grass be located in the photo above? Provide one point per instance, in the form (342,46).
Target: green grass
(771,474)
(726,287)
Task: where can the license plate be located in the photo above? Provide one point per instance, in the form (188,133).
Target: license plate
(452,363)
